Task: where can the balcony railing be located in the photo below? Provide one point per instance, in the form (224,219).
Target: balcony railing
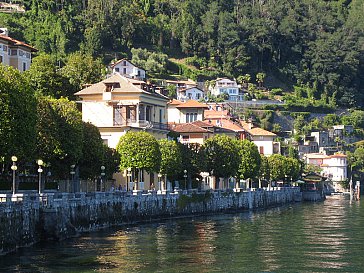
(141,124)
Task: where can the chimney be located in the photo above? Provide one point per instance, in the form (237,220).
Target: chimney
(4,31)
(250,124)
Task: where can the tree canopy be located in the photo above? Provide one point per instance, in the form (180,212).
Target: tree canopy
(312,43)
(139,150)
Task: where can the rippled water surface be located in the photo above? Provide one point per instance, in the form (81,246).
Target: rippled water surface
(308,237)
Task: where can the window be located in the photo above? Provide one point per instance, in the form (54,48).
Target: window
(24,66)
(198,96)
(27,55)
(160,115)
(185,138)
(124,70)
(117,69)
(105,141)
(5,48)
(261,150)
(1,59)
(118,118)
(13,52)
(21,53)
(124,63)
(191,117)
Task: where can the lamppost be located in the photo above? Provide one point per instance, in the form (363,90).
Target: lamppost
(159,182)
(72,173)
(185,176)
(128,178)
(102,175)
(14,168)
(40,170)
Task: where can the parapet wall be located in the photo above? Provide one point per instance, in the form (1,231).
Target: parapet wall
(28,219)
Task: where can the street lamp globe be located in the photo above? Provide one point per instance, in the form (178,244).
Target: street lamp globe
(40,162)
(14,158)
(14,167)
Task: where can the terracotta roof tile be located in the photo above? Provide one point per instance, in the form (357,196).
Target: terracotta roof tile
(213,114)
(174,102)
(125,85)
(15,42)
(188,128)
(202,123)
(192,104)
(227,124)
(256,131)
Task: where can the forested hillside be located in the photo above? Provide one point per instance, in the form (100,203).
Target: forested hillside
(318,43)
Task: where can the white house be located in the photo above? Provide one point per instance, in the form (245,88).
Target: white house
(181,84)
(15,53)
(185,112)
(265,140)
(125,68)
(191,93)
(117,105)
(226,86)
(333,167)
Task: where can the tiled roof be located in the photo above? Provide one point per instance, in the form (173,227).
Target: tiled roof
(338,155)
(185,89)
(202,123)
(15,42)
(174,102)
(316,156)
(227,124)
(189,82)
(188,128)
(192,104)
(213,114)
(126,85)
(256,131)
(119,61)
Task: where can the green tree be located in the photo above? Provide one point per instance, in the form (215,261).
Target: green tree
(81,69)
(277,167)
(193,160)
(92,152)
(139,151)
(260,78)
(264,169)
(17,115)
(45,78)
(171,158)
(59,134)
(222,157)
(249,159)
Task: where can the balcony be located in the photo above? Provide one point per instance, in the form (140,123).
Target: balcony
(141,124)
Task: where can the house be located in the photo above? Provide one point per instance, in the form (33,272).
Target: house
(119,104)
(181,84)
(265,140)
(333,167)
(309,145)
(127,69)
(226,86)
(185,112)
(190,93)
(15,53)
(192,132)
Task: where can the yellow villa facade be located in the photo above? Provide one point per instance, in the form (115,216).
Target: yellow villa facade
(117,105)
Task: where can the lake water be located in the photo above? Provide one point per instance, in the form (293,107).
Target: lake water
(307,237)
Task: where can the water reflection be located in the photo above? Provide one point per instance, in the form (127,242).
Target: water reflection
(322,237)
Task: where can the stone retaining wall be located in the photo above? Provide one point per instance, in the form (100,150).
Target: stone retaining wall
(27,219)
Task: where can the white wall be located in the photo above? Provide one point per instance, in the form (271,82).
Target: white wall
(264,141)
(98,113)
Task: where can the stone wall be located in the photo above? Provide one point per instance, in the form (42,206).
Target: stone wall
(27,219)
